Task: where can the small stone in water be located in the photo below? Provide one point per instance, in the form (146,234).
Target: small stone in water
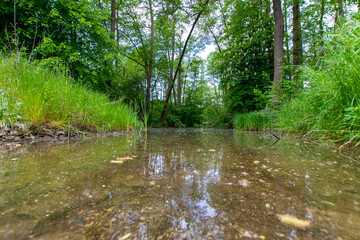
(244,182)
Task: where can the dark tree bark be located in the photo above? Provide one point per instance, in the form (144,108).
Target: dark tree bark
(168,95)
(321,26)
(113,19)
(278,43)
(179,88)
(297,41)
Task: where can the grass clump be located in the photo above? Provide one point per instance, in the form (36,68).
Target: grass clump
(256,121)
(34,96)
(331,103)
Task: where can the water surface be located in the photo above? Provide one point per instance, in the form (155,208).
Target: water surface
(179,184)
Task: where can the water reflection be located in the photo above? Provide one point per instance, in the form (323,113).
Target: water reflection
(178,184)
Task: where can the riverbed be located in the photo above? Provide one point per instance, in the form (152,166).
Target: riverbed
(179,184)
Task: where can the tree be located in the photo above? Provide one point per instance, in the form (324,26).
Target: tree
(166,106)
(246,65)
(278,43)
(135,24)
(297,42)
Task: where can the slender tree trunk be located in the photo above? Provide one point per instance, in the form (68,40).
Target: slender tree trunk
(297,41)
(278,44)
(321,27)
(166,106)
(148,69)
(286,33)
(339,12)
(179,87)
(113,19)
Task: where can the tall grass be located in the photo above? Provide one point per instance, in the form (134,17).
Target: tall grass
(331,102)
(34,96)
(256,121)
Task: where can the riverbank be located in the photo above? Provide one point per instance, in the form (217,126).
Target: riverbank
(37,100)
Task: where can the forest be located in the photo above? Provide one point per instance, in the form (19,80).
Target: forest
(104,65)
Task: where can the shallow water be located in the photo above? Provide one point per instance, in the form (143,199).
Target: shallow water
(179,184)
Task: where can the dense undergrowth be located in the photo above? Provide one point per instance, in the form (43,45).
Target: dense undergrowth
(33,96)
(329,105)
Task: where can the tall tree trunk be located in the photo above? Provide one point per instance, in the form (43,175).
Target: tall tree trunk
(113,19)
(287,53)
(278,44)
(148,67)
(321,27)
(297,41)
(166,106)
(339,12)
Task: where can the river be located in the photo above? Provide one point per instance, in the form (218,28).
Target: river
(179,184)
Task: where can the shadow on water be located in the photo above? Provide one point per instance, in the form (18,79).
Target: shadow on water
(178,184)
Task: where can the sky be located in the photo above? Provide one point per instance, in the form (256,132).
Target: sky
(208,49)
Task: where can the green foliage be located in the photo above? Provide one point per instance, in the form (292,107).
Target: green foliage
(34,96)
(331,102)
(247,65)
(73,32)
(256,121)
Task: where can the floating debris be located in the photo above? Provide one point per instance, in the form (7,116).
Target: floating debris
(125,158)
(126,236)
(116,162)
(329,203)
(293,221)
(212,150)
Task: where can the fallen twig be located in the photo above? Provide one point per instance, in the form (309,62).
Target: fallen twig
(274,135)
(348,142)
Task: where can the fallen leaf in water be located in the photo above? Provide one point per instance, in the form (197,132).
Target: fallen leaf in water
(117,162)
(212,150)
(152,183)
(262,237)
(125,158)
(293,221)
(125,236)
(18,145)
(329,203)
(267,205)
(109,209)
(256,162)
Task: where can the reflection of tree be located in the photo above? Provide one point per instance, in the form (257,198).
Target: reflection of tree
(174,187)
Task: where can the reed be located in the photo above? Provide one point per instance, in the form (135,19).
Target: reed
(255,121)
(331,102)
